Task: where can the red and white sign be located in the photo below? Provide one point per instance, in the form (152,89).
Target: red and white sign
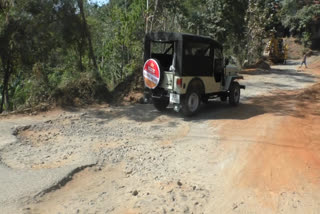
(151,73)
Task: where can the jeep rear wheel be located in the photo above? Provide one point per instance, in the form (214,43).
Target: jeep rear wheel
(160,104)
(191,103)
(234,94)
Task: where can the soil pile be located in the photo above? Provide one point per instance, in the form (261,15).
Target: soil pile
(86,89)
(262,64)
(130,90)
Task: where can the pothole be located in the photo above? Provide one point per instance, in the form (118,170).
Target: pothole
(71,138)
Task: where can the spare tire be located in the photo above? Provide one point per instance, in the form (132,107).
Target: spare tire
(151,73)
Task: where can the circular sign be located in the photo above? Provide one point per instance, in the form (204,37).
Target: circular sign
(151,73)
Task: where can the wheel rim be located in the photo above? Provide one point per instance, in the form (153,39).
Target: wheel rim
(237,94)
(193,102)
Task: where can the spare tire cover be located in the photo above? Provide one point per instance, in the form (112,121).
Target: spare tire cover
(151,73)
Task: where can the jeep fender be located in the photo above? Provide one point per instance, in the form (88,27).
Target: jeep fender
(231,79)
(196,83)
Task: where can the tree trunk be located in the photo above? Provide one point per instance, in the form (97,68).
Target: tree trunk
(88,36)
(147,18)
(122,61)
(5,94)
(79,44)
(154,14)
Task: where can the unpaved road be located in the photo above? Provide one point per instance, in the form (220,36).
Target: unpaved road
(260,157)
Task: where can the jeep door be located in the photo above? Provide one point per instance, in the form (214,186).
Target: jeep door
(218,65)
(198,62)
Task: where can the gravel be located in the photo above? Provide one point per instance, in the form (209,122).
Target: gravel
(281,77)
(151,148)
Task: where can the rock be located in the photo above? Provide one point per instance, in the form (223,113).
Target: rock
(235,206)
(179,183)
(135,193)
(186,210)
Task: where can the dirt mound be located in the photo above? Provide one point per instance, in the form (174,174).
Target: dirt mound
(86,89)
(263,65)
(130,90)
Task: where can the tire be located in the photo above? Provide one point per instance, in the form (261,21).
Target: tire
(191,103)
(160,104)
(161,74)
(234,94)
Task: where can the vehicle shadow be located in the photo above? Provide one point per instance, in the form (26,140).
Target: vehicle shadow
(284,105)
(222,110)
(281,103)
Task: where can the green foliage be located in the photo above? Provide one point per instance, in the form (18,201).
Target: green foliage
(50,49)
(300,18)
(32,91)
(123,47)
(258,17)
(40,37)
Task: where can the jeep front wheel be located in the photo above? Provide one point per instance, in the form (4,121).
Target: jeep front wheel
(160,104)
(234,94)
(191,103)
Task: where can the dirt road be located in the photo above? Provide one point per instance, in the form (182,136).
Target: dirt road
(260,157)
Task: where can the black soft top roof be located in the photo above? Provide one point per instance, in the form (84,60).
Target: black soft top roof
(166,36)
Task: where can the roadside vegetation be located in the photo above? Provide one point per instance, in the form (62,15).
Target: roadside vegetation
(76,52)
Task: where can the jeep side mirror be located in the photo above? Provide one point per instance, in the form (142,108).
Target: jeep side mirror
(226,61)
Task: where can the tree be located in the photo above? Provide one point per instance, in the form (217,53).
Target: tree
(260,16)
(123,41)
(300,17)
(87,35)
(11,31)
(47,37)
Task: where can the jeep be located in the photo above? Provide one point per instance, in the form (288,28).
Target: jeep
(185,70)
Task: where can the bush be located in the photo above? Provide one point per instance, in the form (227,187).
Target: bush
(83,88)
(31,91)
